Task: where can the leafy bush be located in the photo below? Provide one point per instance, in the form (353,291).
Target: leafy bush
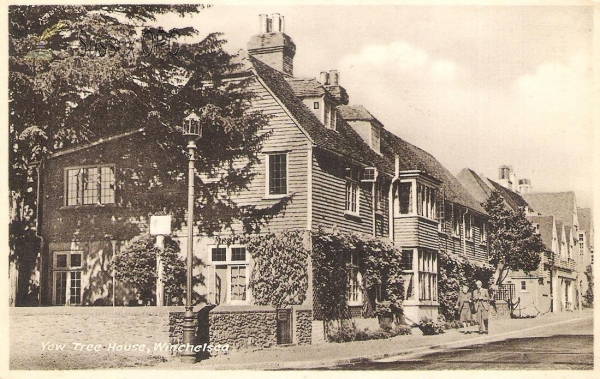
(429,327)
(136,267)
(351,333)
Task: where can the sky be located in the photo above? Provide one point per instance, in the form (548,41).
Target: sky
(475,86)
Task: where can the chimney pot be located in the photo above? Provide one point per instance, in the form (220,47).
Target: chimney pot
(263,23)
(324,78)
(334,77)
(276,23)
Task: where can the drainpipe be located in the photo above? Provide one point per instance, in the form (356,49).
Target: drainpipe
(38,198)
(391,197)
(464,232)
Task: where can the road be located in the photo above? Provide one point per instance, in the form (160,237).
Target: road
(557,347)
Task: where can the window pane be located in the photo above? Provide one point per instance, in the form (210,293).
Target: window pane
(91,186)
(60,288)
(219,254)
(238,254)
(76,260)
(238,282)
(407,260)
(353,293)
(72,187)
(75,287)
(61,260)
(278,174)
(107,185)
(405,198)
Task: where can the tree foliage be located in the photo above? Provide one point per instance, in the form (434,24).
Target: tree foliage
(136,266)
(589,293)
(86,93)
(514,244)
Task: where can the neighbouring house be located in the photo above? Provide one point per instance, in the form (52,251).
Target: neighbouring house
(344,170)
(553,286)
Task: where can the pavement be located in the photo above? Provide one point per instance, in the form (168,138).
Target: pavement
(407,346)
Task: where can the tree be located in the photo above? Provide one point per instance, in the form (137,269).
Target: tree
(109,74)
(514,244)
(589,294)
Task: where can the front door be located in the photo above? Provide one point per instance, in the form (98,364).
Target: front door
(284,326)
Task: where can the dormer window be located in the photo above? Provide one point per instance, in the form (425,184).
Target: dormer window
(330,116)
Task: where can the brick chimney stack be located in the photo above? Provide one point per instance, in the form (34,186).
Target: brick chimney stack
(331,81)
(272,46)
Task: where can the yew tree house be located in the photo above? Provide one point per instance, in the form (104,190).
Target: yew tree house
(345,169)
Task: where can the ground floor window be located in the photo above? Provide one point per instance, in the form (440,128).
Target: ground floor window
(230,274)
(408,274)
(354,288)
(67,269)
(427,275)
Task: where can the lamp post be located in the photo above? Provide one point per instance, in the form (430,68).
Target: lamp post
(192,130)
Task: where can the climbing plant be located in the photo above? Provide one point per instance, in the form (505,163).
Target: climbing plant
(280,272)
(456,271)
(378,262)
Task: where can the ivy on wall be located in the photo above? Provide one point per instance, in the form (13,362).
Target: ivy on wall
(378,262)
(280,272)
(456,271)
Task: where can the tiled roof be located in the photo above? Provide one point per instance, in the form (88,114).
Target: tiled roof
(306,87)
(558,204)
(476,186)
(344,140)
(414,158)
(355,112)
(513,199)
(545,228)
(559,230)
(584,216)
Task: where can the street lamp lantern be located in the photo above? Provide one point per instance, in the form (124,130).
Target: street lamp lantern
(192,130)
(192,127)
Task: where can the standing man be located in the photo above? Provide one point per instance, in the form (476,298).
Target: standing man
(481,298)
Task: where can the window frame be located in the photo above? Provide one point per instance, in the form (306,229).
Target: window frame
(352,190)
(354,276)
(230,263)
(268,194)
(428,274)
(81,192)
(69,270)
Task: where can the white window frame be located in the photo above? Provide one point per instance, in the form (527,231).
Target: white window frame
(268,194)
(68,269)
(231,263)
(468,221)
(428,269)
(484,235)
(79,200)
(354,183)
(354,275)
(456,221)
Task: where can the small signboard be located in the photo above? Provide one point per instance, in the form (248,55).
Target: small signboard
(160,225)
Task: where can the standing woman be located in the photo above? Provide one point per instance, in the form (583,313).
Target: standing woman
(463,305)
